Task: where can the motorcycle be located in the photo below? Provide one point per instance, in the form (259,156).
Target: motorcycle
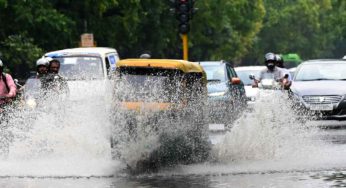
(268,82)
(29,93)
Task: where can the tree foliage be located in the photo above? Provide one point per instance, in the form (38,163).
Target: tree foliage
(310,28)
(221,29)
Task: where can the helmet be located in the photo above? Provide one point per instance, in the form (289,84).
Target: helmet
(269,57)
(270,60)
(279,61)
(278,57)
(49,59)
(145,56)
(42,61)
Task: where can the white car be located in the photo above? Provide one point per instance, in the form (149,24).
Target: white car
(292,71)
(87,70)
(243,73)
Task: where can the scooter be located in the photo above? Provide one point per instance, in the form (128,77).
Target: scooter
(269,83)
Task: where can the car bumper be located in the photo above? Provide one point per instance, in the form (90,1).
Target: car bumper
(219,108)
(338,112)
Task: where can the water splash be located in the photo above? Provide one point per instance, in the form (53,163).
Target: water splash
(60,138)
(271,131)
(157,132)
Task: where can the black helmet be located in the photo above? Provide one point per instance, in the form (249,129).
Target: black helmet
(270,60)
(279,61)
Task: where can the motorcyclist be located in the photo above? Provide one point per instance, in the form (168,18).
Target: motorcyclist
(42,66)
(270,62)
(32,90)
(7,87)
(280,64)
(54,82)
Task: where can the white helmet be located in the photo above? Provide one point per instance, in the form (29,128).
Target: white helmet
(42,61)
(1,64)
(49,59)
(145,56)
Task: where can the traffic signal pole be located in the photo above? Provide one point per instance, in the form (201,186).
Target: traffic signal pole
(184,11)
(185,47)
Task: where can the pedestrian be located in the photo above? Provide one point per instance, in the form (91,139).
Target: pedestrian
(7,88)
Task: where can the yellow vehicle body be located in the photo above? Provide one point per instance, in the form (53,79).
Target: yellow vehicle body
(186,68)
(163,98)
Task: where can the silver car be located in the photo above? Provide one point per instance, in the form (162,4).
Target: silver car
(318,89)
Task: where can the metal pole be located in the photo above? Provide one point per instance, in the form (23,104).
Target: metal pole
(185,47)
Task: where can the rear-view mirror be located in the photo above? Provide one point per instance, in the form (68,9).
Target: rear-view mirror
(235,81)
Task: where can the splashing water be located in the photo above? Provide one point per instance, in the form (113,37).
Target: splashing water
(60,138)
(271,131)
(269,139)
(151,135)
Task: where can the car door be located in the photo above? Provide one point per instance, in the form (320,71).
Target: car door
(237,90)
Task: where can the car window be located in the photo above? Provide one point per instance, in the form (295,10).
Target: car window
(112,61)
(215,71)
(81,67)
(325,71)
(231,71)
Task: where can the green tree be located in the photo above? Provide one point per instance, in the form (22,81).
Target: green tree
(224,29)
(19,54)
(299,26)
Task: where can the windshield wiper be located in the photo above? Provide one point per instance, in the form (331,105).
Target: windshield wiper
(316,79)
(214,80)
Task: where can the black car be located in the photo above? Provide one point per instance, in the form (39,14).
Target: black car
(319,89)
(226,93)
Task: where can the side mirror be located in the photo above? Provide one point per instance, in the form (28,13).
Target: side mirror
(252,77)
(235,81)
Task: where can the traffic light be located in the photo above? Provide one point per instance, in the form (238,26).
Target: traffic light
(184,13)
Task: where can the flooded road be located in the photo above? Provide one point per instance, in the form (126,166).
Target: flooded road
(325,169)
(71,148)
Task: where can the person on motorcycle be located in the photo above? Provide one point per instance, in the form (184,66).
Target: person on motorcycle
(42,66)
(280,63)
(7,87)
(270,62)
(54,81)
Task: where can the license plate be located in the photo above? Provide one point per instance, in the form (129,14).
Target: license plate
(321,107)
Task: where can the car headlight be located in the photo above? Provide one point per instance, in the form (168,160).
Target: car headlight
(217,94)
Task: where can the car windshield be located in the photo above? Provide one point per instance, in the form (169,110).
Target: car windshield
(149,86)
(215,71)
(244,75)
(322,71)
(81,68)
